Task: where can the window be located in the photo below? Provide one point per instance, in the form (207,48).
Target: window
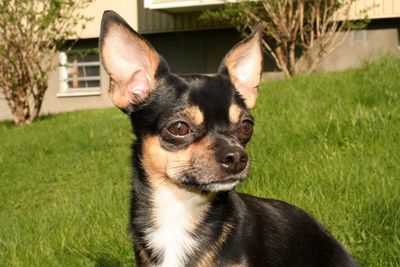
(359,36)
(79,73)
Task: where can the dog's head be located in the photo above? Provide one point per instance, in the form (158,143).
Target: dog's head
(192,129)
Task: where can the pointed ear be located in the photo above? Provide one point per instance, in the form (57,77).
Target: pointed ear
(129,59)
(243,64)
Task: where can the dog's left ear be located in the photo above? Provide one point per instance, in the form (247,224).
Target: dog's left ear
(243,64)
(130,61)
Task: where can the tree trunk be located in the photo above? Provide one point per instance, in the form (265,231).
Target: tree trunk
(24,111)
(20,114)
(283,63)
(292,59)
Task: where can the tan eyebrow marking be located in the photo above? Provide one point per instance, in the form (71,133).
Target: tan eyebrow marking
(234,113)
(194,114)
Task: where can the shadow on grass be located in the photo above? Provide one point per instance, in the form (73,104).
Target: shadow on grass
(107,261)
(9,124)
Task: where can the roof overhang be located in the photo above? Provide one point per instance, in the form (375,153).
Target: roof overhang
(182,5)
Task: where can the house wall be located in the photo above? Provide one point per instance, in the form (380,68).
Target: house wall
(375,9)
(194,51)
(5,113)
(56,101)
(198,51)
(202,51)
(53,103)
(128,9)
(159,20)
(380,37)
(155,21)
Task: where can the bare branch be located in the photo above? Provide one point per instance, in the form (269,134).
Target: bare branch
(31,32)
(309,25)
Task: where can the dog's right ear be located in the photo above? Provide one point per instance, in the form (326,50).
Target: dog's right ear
(129,59)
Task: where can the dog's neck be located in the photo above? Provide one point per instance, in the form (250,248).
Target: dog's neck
(170,232)
(176,214)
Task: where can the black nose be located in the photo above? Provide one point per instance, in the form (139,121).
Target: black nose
(233,159)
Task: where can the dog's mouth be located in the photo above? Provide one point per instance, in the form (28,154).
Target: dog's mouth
(225,184)
(206,178)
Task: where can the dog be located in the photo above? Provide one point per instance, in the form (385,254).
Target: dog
(189,155)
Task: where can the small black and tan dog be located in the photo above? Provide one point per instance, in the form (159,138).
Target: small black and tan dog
(188,157)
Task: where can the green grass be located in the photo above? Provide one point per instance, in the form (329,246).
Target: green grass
(329,143)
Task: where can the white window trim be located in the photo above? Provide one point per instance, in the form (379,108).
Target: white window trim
(151,4)
(65,91)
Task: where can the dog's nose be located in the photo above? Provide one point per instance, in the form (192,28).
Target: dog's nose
(232,159)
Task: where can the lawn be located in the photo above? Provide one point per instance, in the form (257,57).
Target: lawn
(329,143)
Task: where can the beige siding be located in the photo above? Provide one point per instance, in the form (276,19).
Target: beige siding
(126,8)
(376,9)
(372,9)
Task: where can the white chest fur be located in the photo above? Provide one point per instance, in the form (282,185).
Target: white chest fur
(176,213)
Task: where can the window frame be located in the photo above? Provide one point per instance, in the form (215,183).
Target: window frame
(64,89)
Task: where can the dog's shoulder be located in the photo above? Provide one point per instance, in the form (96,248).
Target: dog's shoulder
(289,235)
(277,210)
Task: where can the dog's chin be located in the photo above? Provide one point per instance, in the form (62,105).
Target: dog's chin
(225,184)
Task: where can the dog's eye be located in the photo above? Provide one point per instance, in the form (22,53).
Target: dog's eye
(179,128)
(245,129)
